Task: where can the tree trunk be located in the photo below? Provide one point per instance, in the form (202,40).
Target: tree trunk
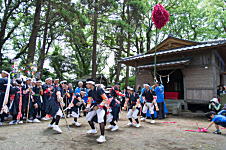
(148,35)
(128,54)
(34,33)
(42,55)
(128,47)
(119,56)
(94,53)
(8,11)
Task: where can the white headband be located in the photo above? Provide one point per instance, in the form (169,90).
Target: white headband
(5,72)
(64,81)
(129,88)
(146,85)
(90,82)
(28,79)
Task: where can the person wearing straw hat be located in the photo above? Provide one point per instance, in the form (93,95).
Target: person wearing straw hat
(133,103)
(96,106)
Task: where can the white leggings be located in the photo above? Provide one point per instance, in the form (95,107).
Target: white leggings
(149,106)
(132,114)
(59,113)
(100,115)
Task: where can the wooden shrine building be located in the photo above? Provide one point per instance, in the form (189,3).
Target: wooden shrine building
(189,70)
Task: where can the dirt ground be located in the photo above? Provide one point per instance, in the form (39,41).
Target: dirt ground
(148,137)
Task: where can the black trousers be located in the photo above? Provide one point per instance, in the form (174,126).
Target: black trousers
(161,113)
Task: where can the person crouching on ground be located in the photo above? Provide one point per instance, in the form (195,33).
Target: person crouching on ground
(133,101)
(217,120)
(96,106)
(214,105)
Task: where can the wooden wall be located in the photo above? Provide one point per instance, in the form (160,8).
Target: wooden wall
(201,76)
(198,84)
(144,76)
(199,79)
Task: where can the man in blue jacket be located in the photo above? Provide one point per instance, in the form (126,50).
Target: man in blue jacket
(159,91)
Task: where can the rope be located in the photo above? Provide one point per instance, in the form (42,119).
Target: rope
(163,76)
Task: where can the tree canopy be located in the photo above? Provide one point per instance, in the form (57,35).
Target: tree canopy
(87,37)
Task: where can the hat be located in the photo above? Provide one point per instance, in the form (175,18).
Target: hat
(6,72)
(146,84)
(107,92)
(48,79)
(39,81)
(130,88)
(214,100)
(80,82)
(63,82)
(28,79)
(56,79)
(90,81)
(101,86)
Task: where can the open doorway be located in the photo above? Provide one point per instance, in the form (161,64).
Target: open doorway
(173,83)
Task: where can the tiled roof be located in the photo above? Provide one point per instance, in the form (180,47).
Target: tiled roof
(175,50)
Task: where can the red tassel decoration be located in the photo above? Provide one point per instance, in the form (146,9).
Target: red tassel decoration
(160,16)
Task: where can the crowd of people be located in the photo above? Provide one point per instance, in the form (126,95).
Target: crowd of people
(33,101)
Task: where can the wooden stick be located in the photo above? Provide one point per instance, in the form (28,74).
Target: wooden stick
(65,118)
(28,106)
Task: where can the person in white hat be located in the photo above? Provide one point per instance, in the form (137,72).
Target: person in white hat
(47,91)
(149,102)
(27,98)
(37,101)
(214,105)
(4,74)
(78,89)
(97,101)
(54,107)
(56,82)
